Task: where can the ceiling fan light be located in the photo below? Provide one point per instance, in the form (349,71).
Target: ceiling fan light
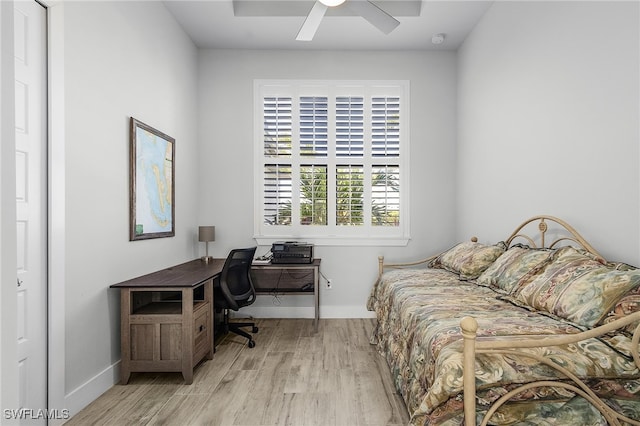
(332,3)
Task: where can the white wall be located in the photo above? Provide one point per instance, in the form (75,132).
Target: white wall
(226,155)
(548,121)
(121,59)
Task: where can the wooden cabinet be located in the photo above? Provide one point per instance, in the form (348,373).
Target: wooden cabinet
(166,320)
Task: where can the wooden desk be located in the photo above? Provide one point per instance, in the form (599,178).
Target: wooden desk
(270,285)
(166,319)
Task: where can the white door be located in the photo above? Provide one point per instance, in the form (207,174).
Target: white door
(31,172)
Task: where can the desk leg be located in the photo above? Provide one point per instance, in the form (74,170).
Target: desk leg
(187,335)
(316,294)
(125,339)
(208,295)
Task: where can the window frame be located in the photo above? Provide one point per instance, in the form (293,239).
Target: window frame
(332,233)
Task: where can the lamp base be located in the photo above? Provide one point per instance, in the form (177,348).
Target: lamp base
(206,259)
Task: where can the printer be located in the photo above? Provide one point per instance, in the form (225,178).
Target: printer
(291,252)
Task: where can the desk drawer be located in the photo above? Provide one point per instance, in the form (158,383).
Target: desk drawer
(202,329)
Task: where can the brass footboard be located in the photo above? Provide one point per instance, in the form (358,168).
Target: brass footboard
(473,346)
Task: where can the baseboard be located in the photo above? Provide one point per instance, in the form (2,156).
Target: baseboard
(356,311)
(307,312)
(88,392)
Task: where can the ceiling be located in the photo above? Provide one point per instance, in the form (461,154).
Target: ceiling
(274,24)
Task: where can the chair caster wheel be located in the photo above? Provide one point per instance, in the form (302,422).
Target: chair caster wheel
(254,329)
(251,344)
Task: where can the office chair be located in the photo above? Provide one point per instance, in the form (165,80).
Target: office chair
(234,289)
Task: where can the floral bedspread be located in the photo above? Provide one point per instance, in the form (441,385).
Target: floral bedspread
(418,332)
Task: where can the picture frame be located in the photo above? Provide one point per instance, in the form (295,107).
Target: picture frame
(151,183)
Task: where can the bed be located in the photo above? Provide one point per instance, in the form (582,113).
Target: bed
(537,329)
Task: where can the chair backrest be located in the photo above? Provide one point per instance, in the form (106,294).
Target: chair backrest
(235,279)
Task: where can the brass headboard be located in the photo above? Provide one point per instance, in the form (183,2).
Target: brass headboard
(572,234)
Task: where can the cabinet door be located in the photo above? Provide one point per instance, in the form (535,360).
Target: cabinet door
(156,341)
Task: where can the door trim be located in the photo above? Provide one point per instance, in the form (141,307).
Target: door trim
(56,206)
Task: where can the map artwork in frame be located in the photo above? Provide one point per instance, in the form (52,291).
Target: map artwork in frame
(151,186)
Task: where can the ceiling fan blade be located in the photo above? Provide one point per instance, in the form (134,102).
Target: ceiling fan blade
(372,13)
(312,22)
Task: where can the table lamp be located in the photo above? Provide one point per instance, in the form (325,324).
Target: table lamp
(206,234)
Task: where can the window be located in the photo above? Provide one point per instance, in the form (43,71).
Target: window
(331,162)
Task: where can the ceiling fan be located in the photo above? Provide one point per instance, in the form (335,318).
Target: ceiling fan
(369,11)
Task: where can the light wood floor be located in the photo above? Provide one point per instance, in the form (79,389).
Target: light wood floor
(294,376)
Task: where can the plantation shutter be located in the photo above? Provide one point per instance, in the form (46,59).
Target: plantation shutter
(277,126)
(332,161)
(277,194)
(385,122)
(313,126)
(349,193)
(277,139)
(385,178)
(385,195)
(350,126)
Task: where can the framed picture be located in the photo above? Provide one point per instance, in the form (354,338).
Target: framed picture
(151,186)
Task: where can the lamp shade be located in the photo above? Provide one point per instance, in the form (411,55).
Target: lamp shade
(206,233)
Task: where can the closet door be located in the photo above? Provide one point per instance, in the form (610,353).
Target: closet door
(31,198)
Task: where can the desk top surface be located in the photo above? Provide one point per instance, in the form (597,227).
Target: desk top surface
(193,273)
(188,274)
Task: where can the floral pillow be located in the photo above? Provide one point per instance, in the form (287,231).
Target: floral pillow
(468,259)
(628,304)
(576,286)
(513,264)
